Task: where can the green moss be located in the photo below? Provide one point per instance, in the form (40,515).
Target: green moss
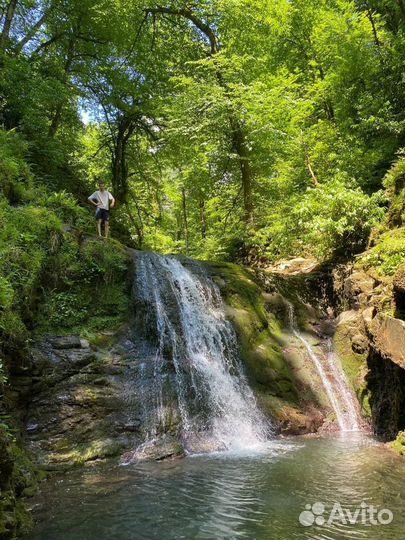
(399,444)
(81,453)
(18,477)
(14,517)
(102,339)
(386,255)
(259,332)
(354,366)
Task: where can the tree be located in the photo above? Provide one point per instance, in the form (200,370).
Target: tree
(238,136)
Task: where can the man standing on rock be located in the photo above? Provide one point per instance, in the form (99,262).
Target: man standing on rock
(103,200)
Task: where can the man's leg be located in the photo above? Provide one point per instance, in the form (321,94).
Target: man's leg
(106,228)
(98,222)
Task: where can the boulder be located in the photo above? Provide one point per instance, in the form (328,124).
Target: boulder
(349,318)
(368,314)
(352,344)
(357,289)
(67,342)
(294,266)
(360,343)
(388,335)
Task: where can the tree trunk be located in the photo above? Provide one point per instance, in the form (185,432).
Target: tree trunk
(185,220)
(237,132)
(373,26)
(137,227)
(57,117)
(330,113)
(7,24)
(119,165)
(203,219)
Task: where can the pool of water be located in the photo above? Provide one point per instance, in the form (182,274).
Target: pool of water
(257,495)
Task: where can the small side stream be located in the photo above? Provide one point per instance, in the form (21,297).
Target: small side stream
(341,397)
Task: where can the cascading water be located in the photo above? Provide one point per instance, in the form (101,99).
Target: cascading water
(197,386)
(342,400)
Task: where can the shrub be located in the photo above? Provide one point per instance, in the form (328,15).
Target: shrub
(394,183)
(328,220)
(388,253)
(15,174)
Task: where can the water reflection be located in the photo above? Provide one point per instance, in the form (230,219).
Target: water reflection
(257,496)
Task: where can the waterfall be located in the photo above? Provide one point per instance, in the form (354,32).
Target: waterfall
(341,398)
(193,382)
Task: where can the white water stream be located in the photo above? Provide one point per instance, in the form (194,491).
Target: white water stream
(214,400)
(341,398)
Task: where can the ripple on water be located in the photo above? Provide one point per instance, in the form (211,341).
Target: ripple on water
(252,495)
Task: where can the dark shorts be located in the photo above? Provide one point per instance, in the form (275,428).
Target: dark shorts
(102,214)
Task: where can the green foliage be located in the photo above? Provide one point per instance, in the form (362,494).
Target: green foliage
(15,175)
(44,264)
(86,287)
(324,221)
(387,254)
(394,183)
(314,90)
(6,293)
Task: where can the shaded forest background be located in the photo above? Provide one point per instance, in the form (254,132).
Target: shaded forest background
(238,130)
(262,126)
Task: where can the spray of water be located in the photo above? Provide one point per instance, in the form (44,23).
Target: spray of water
(196,349)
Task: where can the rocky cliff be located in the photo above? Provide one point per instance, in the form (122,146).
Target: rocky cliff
(371,344)
(86,395)
(79,399)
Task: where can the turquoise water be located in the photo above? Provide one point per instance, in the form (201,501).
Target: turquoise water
(230,496)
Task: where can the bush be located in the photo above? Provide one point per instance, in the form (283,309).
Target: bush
(15,174)
(28,236)
(328,220)
(394,183)
(86,286)
(388,253)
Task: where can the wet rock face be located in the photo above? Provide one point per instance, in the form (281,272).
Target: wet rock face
(80,408)
(89,403)
(386,382)
(279,373)
(371,345)
(388,336)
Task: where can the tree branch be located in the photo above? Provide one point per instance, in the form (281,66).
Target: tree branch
(47,43)
(188,14)
(31,32)
(7,23)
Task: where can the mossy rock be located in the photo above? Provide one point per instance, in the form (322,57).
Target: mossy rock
(399,444)
(257,329)
(18,477)
(82,453)
(278,372)
(353,358)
